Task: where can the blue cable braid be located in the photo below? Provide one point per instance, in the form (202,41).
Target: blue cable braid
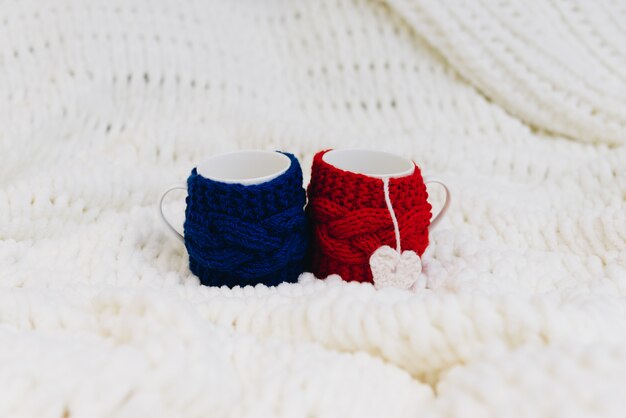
(240,235)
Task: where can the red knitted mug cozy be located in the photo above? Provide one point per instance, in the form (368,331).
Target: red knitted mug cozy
(350,220)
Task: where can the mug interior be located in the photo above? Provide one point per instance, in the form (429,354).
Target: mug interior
(371,163)
(245,167)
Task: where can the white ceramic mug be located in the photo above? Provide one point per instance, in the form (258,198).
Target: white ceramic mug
(249,167)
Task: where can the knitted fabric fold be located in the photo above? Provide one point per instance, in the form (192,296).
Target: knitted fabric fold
(349,219)
(246,235)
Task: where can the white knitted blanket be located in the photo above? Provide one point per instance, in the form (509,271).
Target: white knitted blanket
(519,106)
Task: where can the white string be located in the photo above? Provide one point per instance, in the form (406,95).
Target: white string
(396,228)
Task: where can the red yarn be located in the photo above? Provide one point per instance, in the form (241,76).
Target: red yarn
(350,220)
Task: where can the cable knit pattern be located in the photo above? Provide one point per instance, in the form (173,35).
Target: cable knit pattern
(246,235)
(350,220)
(522,312)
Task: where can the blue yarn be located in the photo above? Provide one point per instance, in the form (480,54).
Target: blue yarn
(240,235)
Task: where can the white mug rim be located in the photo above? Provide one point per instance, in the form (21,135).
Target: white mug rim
(246,181)
(409,170)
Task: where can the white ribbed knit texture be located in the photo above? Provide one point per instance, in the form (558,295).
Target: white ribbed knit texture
(519,106)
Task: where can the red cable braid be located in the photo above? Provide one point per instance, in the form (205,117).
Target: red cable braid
(349,219)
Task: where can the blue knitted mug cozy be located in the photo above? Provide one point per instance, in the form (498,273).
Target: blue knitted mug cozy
(240,235)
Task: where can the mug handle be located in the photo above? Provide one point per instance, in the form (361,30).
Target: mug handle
(167,223)
(437,218)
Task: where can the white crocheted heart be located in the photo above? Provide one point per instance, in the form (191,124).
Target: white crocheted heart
(390,268)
